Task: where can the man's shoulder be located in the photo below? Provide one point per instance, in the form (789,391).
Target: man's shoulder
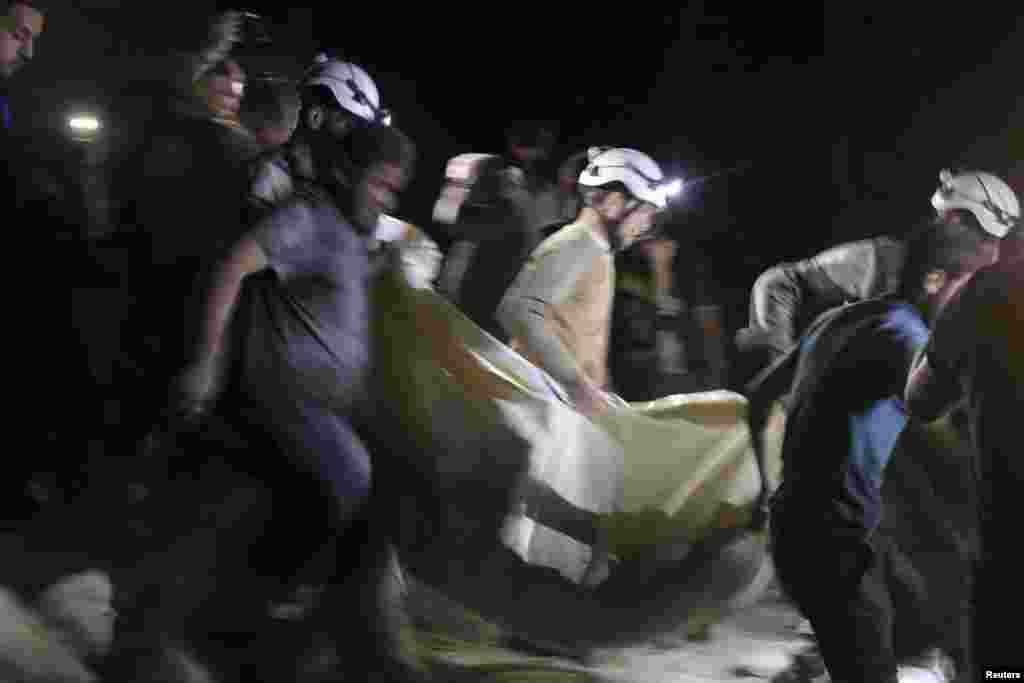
(271,179)
(308,206)
(861,321)
(549,229)
(571,236)
(309,228)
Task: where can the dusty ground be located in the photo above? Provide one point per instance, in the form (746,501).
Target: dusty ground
(756,643)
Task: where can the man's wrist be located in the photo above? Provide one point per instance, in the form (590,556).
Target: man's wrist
(210,352)
(575,386)
(580,387)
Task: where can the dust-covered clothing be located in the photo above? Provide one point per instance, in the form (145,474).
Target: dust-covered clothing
(270,182)
(301,339)
(558,309)
(312,336)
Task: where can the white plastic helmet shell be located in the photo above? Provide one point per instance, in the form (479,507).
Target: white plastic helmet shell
(352,87)
(637,171)
(991,200)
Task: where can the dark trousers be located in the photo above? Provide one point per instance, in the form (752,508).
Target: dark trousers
(325,445)
(998,598)
(997,586)
(309,517)
(997,593)
(865,601)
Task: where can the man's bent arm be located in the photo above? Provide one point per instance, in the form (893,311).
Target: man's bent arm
(247,257)
(789,291)
(526,320)
(525,311)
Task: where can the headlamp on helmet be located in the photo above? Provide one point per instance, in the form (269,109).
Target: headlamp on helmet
(640,174)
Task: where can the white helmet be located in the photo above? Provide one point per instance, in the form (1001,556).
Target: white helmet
(986,196)
(638,172)
(351,86)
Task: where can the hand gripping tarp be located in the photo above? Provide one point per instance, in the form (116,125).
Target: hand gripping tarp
(483,418)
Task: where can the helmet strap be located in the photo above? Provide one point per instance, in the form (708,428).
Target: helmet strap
(615,237)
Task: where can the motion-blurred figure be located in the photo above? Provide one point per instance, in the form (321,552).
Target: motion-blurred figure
(485,206)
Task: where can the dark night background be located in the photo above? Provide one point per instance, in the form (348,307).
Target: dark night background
(839,120)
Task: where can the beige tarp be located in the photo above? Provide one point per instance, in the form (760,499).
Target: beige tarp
(474,406)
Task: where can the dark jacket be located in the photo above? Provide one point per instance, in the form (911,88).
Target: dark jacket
(496,242)
(787,297)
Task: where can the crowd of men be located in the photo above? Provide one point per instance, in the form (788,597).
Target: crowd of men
(263,211)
